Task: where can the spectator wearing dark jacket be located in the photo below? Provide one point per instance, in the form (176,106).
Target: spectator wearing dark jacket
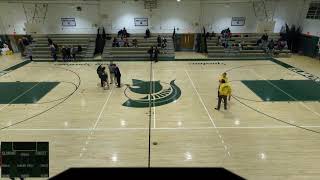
(53,52)
(117,74)
(68,53)
(50,42)
(148,34)
(104,78)
(64,53)
(99,72)
(156,53)
(150,52)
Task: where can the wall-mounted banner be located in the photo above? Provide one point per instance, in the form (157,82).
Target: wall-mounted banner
(68,22)
(141,21)
(238,21)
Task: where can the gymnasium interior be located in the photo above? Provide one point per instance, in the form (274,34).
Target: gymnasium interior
(139,83)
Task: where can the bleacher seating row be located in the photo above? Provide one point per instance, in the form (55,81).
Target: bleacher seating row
(249,46)
(41,50)
(140,52)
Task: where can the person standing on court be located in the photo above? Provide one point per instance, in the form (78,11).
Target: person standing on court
(224,92)
(111,71)
(99,72)
(53,52)
(150,52)
(223,77)
(156,54)
(104,78)
(117,74)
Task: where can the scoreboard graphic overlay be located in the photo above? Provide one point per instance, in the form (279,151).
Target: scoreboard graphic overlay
(24,159)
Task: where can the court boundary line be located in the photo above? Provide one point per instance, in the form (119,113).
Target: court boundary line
(154,107)
(204,106)
(103,108)
(292,97)
(92,130)
(173,128)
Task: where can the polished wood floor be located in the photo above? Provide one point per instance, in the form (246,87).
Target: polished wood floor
(87,126)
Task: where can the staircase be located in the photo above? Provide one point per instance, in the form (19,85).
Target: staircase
(140,52)
(41,50)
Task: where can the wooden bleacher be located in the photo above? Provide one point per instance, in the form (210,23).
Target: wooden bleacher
(140,52)
(249,46)
(41,50)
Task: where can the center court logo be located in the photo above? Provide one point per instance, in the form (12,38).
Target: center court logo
(141,94)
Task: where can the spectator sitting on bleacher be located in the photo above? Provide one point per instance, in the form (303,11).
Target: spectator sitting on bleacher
(271,45)
(226,33)
(148,34)
(223,33)
(25,41)
(123,33)
(265,37)
(23,44)
(209,36)
(135,42)
(121,42)
(281,44)
(259,42)
(115,42)
(126,42)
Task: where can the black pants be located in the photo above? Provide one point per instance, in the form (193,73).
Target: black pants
(119,80)
(101,82)
(224,100)
(55,57)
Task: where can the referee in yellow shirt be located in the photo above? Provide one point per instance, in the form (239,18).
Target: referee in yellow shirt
(224,92)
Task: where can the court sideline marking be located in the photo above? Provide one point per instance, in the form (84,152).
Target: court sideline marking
(154,107)
(191,128)
(301,103)
(92,130)
(214,125)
